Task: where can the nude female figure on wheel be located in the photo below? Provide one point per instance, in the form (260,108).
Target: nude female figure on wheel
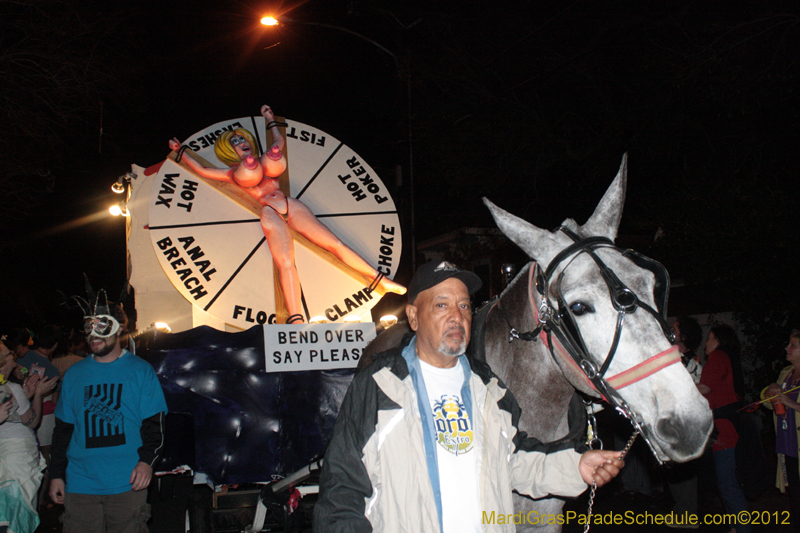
(258,176)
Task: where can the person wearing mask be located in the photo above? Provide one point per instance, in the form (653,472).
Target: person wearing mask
(109,432)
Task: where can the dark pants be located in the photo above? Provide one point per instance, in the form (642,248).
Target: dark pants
(682,481)
(113,513)
(730,492)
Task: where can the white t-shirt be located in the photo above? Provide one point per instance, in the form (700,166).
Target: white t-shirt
(456,449)
(12,428)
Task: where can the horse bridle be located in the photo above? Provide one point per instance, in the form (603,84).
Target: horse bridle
(557,321)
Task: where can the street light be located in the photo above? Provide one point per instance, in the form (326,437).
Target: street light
(273,21)
(277,21)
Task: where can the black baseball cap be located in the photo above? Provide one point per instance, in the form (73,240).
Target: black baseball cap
(432,274)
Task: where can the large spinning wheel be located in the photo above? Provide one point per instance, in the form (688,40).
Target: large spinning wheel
(208,237)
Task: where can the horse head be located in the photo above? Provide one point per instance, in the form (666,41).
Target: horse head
(601,311)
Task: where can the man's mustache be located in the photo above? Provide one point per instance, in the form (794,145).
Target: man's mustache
(458,328)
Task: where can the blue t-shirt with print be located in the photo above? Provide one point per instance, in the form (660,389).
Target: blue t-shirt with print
(107,403)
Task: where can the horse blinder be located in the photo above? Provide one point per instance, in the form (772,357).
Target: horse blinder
(661,288)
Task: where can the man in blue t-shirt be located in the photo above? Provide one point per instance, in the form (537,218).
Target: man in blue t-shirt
(109,431)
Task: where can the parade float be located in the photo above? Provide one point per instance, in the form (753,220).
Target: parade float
(263,243)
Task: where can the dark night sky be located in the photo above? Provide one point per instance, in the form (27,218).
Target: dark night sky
(531,104)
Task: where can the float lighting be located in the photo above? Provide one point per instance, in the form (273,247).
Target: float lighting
(388,321)
(123,182)
(122,186)
(318,320)
(119,209)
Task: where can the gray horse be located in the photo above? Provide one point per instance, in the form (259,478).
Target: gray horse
(610,326)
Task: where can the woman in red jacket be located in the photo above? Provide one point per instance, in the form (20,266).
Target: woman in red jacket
(722,383)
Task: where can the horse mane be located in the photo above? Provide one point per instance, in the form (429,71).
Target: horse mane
(476,349)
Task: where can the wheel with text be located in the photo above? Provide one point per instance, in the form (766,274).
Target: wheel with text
(214,252)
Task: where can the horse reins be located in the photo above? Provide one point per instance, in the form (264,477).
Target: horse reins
(551,329)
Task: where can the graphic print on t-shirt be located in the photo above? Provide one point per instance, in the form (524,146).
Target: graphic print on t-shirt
(105,426)
(453,426)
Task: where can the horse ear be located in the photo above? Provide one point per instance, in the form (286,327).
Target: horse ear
(539,244)
(604,222)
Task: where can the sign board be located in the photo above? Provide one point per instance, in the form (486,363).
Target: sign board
(293,347)
(213,249)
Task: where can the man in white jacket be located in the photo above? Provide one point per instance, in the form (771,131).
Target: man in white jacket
(428,441)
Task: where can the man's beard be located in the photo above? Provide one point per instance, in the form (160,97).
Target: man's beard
(446,349)
(102,352)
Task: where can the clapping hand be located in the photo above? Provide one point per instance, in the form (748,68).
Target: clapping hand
(45,386)
(30,384)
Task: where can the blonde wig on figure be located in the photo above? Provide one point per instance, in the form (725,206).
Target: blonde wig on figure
(225,150)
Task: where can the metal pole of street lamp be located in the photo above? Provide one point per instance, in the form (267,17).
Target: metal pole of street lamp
(273,21)
(287,20)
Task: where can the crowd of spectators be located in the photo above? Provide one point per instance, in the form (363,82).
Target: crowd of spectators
(32,364)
